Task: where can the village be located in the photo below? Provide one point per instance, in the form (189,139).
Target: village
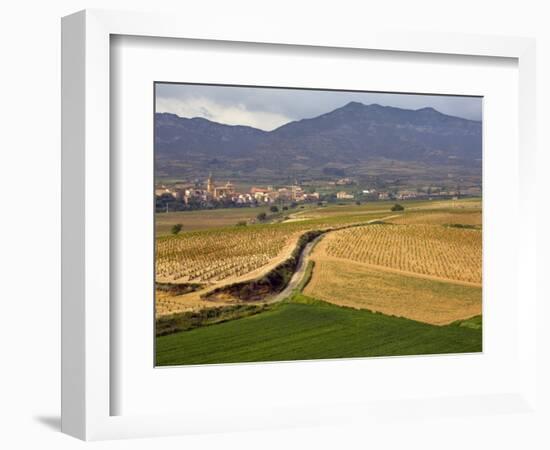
(208,194)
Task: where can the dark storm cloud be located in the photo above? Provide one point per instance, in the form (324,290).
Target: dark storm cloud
(268,108)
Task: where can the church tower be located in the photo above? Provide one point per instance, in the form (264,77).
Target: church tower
(210,184)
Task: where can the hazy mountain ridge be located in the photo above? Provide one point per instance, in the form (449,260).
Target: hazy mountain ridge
(349,135)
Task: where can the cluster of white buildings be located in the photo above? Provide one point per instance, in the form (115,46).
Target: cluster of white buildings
(343,195)
(366,194)
(291,194)
(227,193)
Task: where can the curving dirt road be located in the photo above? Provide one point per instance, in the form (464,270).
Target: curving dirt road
(299,273)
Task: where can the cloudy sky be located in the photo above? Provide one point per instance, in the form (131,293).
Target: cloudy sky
(268,109)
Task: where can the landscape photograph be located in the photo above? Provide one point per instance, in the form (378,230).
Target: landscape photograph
(305,224)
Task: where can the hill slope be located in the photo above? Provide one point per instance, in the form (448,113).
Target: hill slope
(346,138)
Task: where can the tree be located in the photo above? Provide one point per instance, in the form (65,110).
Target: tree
(261,217)
(176,228)
(357,202)
(397,207)
(274,209)
(285,208)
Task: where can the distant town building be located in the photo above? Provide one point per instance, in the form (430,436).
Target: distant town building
(162,190)
(406,195)
(343,195)
(313,196)
(218,192)
(285,194)
(206,193)
(297,193)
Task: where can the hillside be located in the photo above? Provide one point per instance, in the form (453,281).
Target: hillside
(352,139)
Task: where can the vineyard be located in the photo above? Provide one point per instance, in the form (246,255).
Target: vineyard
(431,250)
(438,244)
(374,279)
(438,217)
(213,256)
(216,255)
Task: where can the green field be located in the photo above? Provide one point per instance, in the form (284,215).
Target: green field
(303,328)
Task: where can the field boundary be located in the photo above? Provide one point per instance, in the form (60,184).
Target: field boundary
(402,272)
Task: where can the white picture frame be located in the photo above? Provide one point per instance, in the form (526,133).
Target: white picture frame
(86,246)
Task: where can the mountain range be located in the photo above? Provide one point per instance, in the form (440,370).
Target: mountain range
(352,139)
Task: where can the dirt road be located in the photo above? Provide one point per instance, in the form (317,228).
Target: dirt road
(299,273)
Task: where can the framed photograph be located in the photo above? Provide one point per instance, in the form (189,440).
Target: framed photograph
(302,217)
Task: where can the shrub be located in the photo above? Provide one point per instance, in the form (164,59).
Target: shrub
(397,207)
(261,217)
(274,209)
(241,223)
(176,228)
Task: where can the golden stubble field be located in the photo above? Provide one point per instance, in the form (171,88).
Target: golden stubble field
(359,286)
